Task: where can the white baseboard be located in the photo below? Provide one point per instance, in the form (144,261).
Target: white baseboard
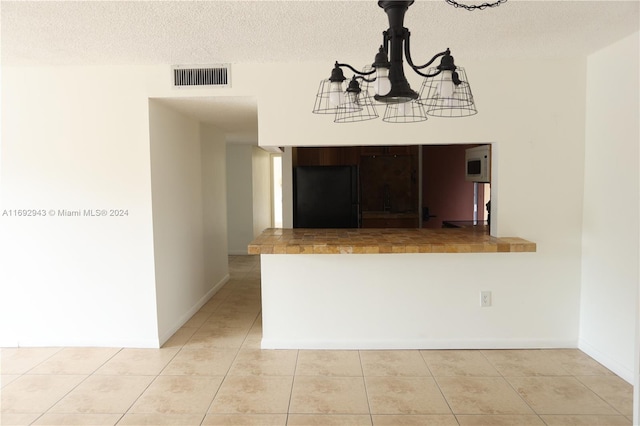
(417,344)
(82,342)
(623,371)
(195,308)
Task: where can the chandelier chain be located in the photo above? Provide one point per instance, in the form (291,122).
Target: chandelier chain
(475,6)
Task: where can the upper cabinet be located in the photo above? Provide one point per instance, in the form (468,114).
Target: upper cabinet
(389,150)
(389,183)
(326,156)
(347,155)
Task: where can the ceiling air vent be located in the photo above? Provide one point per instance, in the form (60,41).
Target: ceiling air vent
(198,76)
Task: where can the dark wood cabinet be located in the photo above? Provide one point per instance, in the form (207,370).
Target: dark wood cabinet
(372,150)
(392,150)
(326,156)
(389,183)
(402,150)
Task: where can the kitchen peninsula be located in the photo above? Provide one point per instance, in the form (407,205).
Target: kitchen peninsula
(384,288)
(371,241)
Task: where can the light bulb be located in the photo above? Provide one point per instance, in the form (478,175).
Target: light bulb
(350,104)
(452,103)
(446,86)
(403,108)
(382,85)
(336,95)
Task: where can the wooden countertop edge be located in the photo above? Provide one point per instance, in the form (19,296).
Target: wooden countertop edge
(494,245)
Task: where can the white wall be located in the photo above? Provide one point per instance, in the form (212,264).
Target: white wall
(410,301)
(610,241)
(248,195)
(177,169)
(76,138)
(539,152)
(239,197)
(214,194)
(261,172)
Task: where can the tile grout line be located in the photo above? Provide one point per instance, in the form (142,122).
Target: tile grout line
(39,415)
(147,387)
(482,352)
(46,411)
(60,349)
(522,398)
(435,380)
(366,389)
(26,372)
(103,364)
(293,380)
(455,416)
(598,395)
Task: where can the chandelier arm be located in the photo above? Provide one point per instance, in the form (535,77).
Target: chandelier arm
(385,40)
(427,75)
(355,70)
(359,77)
(407,54)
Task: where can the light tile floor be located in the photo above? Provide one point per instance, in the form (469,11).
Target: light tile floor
(212,372)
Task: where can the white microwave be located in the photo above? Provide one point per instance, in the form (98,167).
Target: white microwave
(478,164)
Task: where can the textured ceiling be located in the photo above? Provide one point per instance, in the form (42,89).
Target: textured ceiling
(207,32)
(185,32)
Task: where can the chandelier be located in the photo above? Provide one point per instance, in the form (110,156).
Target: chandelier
(445,91)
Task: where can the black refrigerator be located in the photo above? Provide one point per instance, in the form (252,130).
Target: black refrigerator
(325,197)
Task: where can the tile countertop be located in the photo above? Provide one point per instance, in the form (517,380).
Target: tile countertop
(372,241)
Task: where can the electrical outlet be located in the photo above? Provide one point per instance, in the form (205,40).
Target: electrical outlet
(485,299)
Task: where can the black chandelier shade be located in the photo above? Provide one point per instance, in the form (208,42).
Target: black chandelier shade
(442,97)
(445,91)
(358,105)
